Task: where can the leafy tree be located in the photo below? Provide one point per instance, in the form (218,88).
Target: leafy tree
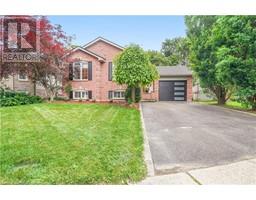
(176,50)
(133,68)
(202,56)
(158,59)
(234,37)
(53,43)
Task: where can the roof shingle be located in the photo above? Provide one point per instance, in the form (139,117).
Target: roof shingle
(179,70)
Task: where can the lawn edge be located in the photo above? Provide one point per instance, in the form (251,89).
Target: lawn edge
(146,150)
(227,108)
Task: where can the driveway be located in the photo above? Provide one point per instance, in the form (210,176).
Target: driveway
(185,136)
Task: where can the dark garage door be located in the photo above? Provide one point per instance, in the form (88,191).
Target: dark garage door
(172,90)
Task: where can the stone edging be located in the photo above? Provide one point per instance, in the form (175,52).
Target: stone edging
(147,153)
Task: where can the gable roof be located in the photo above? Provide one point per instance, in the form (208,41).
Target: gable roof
(100,58)
(179,70)
(104,40)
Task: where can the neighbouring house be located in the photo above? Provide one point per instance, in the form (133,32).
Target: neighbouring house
(21,83)
(90,70)
(201,95)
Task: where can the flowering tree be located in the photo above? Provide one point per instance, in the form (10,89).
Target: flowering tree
(53,45)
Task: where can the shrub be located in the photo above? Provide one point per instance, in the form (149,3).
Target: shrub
(12,98)
(60,98)
(128,95)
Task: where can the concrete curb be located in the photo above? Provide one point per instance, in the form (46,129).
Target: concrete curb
(147,153)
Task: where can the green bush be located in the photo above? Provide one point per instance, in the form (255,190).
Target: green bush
(12,98)
(60,98)
(128,95)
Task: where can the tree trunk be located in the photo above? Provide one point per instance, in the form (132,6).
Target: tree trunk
(254,107)
(253,103)
(34,88)
(133,94)
(221,100)
(221,95)
(51,98)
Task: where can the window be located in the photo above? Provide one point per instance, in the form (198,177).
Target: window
(178,93)
(179,98)
(22,76)
(179,88)
(113,69)
(23,91)
(179,83)
(80,94)
(118,94)
(80,70)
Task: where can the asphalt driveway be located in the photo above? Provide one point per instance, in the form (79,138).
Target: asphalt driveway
(185,136)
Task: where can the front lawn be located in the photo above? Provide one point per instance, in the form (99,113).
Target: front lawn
(70,144)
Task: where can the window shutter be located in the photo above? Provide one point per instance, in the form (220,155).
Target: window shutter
(110,94)
(70,71)
(110,71)
(90,70)
(70,95)
(90,94)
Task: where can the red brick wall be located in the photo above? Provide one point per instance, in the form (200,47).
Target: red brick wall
(99,85)
(189,89)
(108,52)
(153,96)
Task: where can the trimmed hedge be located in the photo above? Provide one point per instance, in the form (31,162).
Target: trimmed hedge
(12,98)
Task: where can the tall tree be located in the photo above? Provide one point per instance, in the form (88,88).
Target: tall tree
(53,43)
(158,59)
(177,50)
(133,68)
(202,55)
(234,38)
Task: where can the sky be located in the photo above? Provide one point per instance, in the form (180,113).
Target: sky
(147,31)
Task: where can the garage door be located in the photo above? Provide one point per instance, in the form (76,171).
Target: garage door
(172,90)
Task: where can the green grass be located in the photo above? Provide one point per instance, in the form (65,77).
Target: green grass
(229,104)
(71,144)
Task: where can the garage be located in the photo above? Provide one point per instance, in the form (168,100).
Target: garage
(175,90)
(175,83)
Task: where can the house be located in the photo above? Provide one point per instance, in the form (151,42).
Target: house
(90,70)
(21,83)
(199,94)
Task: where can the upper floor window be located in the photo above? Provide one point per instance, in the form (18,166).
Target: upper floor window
(80,70)
(22,76)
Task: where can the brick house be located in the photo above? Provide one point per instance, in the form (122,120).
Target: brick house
(90,75)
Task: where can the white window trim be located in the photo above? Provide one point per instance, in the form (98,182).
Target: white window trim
(85,97)
(81,71)
(21,79)
(118,98)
